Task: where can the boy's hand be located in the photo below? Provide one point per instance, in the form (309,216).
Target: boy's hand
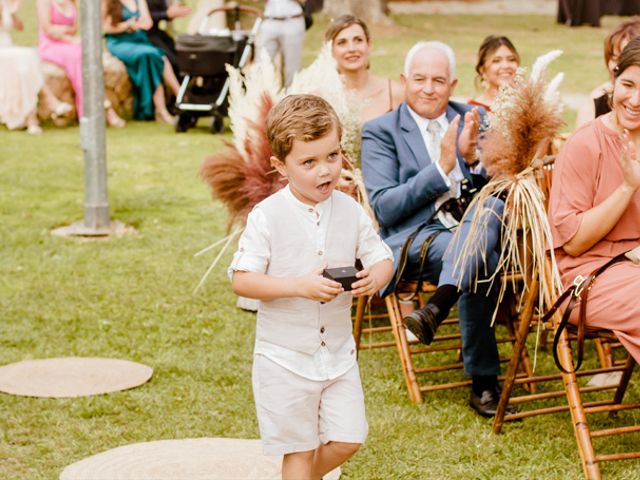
(318,288)
(367,285)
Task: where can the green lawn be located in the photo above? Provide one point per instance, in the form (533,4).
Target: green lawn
(133,298)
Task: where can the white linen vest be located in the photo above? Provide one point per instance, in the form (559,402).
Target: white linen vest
(297,323)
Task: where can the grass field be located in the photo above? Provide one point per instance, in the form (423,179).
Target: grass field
(133,297)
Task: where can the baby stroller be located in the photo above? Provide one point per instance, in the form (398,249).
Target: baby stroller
(201,60)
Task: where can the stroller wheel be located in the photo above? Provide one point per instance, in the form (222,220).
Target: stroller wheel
(217,124)
(184,123)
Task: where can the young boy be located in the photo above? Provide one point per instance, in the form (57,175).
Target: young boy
(306,381)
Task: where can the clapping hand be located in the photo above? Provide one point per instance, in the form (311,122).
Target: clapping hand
(318,288)
(468,141)
(629,161)
(448,146)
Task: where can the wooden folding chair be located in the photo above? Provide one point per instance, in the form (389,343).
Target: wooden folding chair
(419,361)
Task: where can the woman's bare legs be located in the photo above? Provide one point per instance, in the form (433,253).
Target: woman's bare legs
(160,106)
(170,78)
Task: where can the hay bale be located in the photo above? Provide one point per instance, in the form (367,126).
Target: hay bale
(118,89)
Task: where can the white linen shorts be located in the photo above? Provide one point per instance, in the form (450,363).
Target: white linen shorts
(296,414)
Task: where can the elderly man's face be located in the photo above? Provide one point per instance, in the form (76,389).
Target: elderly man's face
(428,87)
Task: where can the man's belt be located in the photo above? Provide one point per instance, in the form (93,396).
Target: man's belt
(289,17)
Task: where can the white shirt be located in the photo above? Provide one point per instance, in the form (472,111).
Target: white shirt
(282,8)
(454,177)
(253,256)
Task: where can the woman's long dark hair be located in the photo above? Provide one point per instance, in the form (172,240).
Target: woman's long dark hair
(114,10)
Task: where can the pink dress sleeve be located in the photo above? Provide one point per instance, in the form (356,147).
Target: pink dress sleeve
(574,183)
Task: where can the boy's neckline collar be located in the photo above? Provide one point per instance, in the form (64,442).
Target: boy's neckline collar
(319,207)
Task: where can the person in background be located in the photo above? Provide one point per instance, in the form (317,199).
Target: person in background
(598,102)
(58,44)
(351,47)
(594,206)
(498,62)
(125,23)
(282,31)
(167,10)
(22,80)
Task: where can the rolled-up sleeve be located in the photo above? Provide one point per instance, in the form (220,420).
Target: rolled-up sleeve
(371,248)
(253,247)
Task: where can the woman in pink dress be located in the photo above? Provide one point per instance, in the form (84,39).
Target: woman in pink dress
(21,80)
(594,207)
(58,44)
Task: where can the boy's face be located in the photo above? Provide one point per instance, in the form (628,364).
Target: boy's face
(312,168)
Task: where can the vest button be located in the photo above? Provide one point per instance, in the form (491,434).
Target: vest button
(322,343)
(321,329)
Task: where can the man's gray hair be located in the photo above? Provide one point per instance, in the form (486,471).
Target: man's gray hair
(431,45)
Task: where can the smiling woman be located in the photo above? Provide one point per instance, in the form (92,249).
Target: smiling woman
(595,204)
(351,47)
(498,61)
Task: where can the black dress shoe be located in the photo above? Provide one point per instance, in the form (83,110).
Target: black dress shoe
(423,323)
(487,403)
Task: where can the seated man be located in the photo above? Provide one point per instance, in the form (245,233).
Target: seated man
(413,160)
(166,10)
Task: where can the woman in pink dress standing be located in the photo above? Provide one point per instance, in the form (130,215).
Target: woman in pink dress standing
(594,207)
(58,44)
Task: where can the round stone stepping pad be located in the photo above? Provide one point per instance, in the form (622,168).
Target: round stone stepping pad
(189,458)
(71,376)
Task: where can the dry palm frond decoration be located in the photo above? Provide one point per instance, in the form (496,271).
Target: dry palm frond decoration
(527,118)
(241,176)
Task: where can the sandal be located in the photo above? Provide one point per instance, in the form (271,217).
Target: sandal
(165,117)
(113,119)
(34,129)
(61,109)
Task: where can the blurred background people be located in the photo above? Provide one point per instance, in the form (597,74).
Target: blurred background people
(59,44)
(125,23)
(283,31)
(21,79)
(166,10)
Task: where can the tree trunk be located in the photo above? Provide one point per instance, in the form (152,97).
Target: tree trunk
(372,11)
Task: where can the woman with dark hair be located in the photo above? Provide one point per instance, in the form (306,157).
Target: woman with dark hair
(498,61)
(595,206)
(614,43)
(351,48)
(125,24)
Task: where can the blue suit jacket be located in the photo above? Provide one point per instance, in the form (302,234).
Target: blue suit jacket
(402,181)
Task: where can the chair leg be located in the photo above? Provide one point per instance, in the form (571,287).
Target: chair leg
(516,358)
(357,323)
(581,429)
(395,317)
(624,381)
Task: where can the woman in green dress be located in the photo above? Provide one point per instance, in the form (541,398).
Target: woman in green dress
(125,23)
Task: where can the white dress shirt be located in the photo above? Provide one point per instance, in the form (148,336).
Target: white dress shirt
(453,178)
(253,256)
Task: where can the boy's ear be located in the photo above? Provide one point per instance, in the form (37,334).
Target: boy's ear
(278,165)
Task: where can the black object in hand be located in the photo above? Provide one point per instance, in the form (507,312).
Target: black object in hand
(345,276)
